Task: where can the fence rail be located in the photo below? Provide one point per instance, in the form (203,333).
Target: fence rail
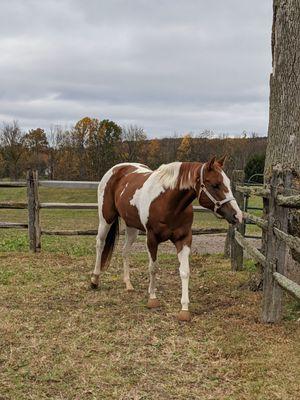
(253,190)
(277,202)
(253,219)
(252,250)
(18,225)
(33,205)
(279,197)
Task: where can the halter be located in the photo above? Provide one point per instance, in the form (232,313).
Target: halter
(218,203)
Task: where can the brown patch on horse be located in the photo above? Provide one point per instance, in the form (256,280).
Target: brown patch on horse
(128,185)
(111,211)
(188,174)
(113,189)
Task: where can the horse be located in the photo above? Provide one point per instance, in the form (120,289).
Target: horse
(159,203)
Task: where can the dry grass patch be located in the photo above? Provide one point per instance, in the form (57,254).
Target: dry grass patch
(60,340)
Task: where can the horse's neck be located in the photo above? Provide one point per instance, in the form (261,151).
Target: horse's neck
(183,199)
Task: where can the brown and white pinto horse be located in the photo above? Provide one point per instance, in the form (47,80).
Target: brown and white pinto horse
(159,203)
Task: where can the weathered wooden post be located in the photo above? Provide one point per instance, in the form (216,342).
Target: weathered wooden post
(34,230)
(227,244)
(236,251)
(275,248)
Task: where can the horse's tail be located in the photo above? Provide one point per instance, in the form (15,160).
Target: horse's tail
(110,242)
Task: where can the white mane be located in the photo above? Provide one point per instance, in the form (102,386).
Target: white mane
(168,174)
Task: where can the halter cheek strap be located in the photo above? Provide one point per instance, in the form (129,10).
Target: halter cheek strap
(217,203)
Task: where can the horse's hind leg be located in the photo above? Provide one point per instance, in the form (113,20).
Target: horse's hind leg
(100,243)
(130,237)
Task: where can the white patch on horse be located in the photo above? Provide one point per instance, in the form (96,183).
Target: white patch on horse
(184,270)
(140,168)
(123,189)
(168,174)
(165,177)
(106,177)
(234,204)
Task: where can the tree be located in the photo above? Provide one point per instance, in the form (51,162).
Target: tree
(103,146)
(80,134)
(185,149)
(2,166)
(134,140)
(283,147)
(284,114)
(55,138)
(254,166)
(153,157)
(206,134)
(36,144)
(11,141)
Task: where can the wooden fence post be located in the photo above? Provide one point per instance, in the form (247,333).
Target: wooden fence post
(34,230)
(236,251)
(275,249)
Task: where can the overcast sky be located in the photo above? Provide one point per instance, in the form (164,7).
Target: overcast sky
(166,65)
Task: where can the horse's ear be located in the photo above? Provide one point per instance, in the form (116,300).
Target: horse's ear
(211,163)
(222,160)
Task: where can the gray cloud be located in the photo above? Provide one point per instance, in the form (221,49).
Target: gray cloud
(167,66)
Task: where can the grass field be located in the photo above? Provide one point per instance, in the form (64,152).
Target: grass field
(60,340)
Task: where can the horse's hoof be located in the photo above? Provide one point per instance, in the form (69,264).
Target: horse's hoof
(184,316)
(94,286)
(153,303)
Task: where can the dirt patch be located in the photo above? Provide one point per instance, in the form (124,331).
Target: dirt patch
(202,244)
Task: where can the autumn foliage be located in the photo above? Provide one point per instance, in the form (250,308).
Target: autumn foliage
(92,146)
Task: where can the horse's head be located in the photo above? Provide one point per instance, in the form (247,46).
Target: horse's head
(214,191)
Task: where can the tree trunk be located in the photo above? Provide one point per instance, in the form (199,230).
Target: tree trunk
(284,118)
(284,114)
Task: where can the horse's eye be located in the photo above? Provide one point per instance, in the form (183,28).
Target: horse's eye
(216,186)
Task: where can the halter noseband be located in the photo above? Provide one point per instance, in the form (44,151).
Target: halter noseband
(218,203)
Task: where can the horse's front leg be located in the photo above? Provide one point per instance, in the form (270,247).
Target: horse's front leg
(183,247)
(152,246)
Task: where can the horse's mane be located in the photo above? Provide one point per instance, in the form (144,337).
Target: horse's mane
(176,174)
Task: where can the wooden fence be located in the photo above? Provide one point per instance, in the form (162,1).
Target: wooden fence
(278,198)
(35,231)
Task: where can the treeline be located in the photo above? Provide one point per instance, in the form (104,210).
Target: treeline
(92,146)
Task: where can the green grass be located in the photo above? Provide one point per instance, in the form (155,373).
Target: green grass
(254,201)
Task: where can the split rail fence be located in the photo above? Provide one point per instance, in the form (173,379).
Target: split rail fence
(35,231)
(278,199)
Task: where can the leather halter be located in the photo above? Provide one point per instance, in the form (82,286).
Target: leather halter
(218,203)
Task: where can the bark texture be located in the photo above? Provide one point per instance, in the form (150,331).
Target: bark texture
(284,118)
(284,114)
